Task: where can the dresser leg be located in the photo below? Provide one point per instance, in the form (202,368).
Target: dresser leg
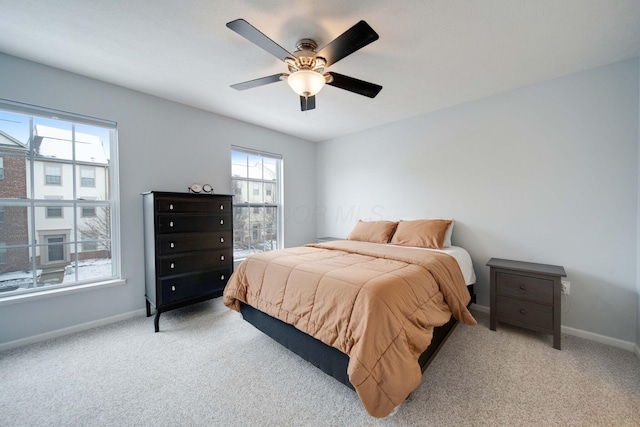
(148,308)
(156,320)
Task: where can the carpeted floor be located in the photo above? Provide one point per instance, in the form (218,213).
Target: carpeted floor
(207,367)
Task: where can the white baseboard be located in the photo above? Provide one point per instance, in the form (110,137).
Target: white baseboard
(602,339)
(70,330)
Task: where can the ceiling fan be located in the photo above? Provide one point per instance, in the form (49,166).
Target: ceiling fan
(306,65)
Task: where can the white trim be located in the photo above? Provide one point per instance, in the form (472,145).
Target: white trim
(602,339)
(59,291)
(70,330)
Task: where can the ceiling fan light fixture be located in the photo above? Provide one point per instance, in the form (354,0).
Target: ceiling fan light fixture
(306,82)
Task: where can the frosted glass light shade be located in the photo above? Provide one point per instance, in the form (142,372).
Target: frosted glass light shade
(306,82)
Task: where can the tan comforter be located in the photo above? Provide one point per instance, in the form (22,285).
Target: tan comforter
(376,303)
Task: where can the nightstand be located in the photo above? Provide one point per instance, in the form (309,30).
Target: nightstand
(526,294)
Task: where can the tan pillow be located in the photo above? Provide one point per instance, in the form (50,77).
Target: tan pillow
(373,231)
(424,233)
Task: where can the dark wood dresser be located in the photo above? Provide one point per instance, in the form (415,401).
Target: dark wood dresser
(526,294)
(188,248)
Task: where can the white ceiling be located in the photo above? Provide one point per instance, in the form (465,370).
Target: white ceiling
(431,54)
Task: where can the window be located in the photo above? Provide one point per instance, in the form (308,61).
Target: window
(1,167)
(1,213)
(61,208)
(54,212)
(88,212)
(87,177)
(3,253)
(53,174)
(257,210)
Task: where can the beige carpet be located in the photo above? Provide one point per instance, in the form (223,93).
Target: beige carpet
(207,367)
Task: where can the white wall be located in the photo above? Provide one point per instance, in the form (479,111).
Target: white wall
(163,146)
(638,250)
(547,173)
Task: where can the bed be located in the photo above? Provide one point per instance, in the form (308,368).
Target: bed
(371,311)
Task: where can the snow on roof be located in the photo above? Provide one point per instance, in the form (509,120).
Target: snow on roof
(255,171)
(56,143)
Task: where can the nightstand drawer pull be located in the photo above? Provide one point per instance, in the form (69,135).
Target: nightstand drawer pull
(523,311)
(221,207)
(171,207)
(173,288)
(172,245)
(222,277)
(221,257)
(221,221)
(222,240)
(173,265)
(170,223)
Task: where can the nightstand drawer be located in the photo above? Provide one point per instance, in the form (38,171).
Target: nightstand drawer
(524,313)
(525,287)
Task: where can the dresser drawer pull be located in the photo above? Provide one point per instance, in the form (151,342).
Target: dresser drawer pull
(222,277)
(171,207)
(222,240)
(172,245)
(173,288)
(221,207)
(173,265)
(170,223)
(221,221)
(523,311)
(221,257)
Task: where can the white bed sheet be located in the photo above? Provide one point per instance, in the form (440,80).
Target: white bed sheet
(462,257)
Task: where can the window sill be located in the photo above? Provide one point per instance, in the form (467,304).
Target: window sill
(60,291)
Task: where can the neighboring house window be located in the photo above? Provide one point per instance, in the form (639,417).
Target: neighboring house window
(88,212)
(257,214)
(47,239)
(53,174)
(1,167)
(1,213)
(54,212)
(3,253)
(87,177)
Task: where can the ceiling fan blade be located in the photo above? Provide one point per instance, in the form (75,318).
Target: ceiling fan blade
(258,82)
(308,103)
(348,42)
(354,85)
(254,35)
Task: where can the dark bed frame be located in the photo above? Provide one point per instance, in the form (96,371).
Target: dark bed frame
(329,359)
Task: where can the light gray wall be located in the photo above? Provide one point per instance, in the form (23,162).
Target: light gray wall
(547,173)
(163,146)
(638,250)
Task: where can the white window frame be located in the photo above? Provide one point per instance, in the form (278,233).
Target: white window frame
(36,243)
(48,166)
(278,205)
(1,167)
(83,171)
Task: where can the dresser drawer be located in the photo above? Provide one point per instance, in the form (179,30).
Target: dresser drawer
(178,243)
(187,223)
(524,313)
(193,285)
(179,264)
(525,287)
(191,205)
